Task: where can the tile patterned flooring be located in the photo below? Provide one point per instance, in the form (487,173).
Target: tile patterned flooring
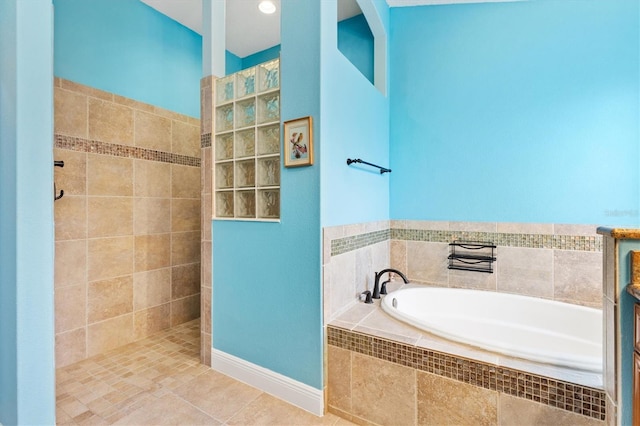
(160,381)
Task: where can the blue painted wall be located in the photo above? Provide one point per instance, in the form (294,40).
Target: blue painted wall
(355,41)
(355,124)
(266,307)
(260,57)
(128,48)
(27,375)
(516,112)
(232,63)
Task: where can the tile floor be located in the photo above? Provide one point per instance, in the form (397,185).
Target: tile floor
(160,381)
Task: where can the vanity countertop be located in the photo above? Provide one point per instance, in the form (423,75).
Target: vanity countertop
(620,233)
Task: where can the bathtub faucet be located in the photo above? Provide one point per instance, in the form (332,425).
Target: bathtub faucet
(376,285)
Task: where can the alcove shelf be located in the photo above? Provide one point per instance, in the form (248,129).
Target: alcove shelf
(475,256)
(246,147)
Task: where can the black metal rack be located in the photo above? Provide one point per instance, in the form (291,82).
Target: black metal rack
(475,256)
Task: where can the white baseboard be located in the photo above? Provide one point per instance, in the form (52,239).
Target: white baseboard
(296,393)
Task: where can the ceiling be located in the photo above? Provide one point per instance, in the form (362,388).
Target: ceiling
(249,31)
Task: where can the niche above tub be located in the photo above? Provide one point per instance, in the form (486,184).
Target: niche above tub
(246,150)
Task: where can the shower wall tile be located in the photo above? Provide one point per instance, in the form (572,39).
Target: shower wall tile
(73,176)
(71,347)
(70,304)
(185,181)
(185,248)
(70,217)
(578,277)
(151,216)
(153,179)
(205,310)
(205,171)
(525,271)
(206,264)
(185,215)
(152,320)
(152,131)
(110,122)
(109,257)
(151,288)
(152,251)
(109,175)
(185,139)
(446,401)
(109,298)
(109,216)
(124,161)
(185,280)
(70,113)
(205,219)
(110,334)
(70,263)
(427,262)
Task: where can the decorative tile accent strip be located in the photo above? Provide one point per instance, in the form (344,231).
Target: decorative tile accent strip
(547,241)
(97,147)
(205,140)
(579,399)
(347,244)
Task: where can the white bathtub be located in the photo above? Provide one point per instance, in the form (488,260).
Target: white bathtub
(536,329)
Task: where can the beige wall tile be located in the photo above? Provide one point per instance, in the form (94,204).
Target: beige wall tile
(205,171)
(185,181)
(152,131)
(110,122)
(152,252)
(445,401)
(398,255)
(528,413)
(151,216)
(70,303)
(472,280)
(525,228)
(185,247)
(185,139)
(185,280)
(109,298)
(152,179)
(70,263)
(396,405)
(168,114)
(151,288)
(86,90)
(578,277)
(110,334)
(70,217)
(71,347)
(205,220)
(110,216)
(109,257)
(339,378)
(473,226)
(427,262)
(72,178)
(183,310)
(426,224)
(131,103)
(206,261)
(571,229)
(206,104)
(70,113)
(152,320)
(205,348)
(343,283)
(185,215)
(109,175)
(525,271)
(205,310)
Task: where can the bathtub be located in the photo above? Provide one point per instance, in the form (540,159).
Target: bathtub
(535,329)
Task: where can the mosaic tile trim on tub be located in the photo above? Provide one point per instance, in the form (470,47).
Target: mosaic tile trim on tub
(571,397)
(545,241)
(97,147)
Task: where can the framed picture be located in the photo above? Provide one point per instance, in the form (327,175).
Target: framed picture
(298,142)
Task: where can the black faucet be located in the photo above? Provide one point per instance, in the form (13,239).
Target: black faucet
(376,284)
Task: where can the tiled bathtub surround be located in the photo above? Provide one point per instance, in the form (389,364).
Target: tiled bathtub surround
(128,225)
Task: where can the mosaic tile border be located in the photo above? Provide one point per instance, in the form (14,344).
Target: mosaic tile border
(97,147)
(545,241)
(205,140)
(571,397)
(347,244)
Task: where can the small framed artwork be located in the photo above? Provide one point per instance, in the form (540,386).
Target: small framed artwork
(298,142)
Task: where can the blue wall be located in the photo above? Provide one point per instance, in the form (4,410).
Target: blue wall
(516,112)
(355,41)
(27,374)
(128,48)
(266,307)
(260,57)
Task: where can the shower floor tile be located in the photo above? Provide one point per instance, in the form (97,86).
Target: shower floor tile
(160,381)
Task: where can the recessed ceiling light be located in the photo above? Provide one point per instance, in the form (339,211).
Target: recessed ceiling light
(267,6)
